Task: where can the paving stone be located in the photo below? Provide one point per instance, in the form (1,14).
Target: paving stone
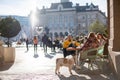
(41,66)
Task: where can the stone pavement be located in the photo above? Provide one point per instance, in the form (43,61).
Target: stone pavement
(41,66)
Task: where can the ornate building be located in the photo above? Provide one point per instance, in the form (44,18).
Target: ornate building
(63,17)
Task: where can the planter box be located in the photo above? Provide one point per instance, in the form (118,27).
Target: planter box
(9,54)
(1,43)
(1,54)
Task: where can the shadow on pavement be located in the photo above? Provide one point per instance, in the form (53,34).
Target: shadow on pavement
(92,74)
(26,51)
(86,71)
(48,55)
(36,55)
(53,53)
(6,66)
(84,77)
(72,77)
(60,52)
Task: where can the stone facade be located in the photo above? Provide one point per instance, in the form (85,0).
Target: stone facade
(64,17)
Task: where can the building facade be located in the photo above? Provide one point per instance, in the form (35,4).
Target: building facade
(64,18)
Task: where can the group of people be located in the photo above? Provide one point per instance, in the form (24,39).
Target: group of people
(45,42)
(51,43)
(70,45)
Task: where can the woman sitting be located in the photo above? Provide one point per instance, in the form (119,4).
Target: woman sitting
(91,42)
(102,40)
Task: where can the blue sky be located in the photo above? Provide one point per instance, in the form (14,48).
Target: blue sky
(23,7)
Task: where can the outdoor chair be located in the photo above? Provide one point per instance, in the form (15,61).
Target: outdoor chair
(100,52)
(93,56)
(101,57)
(88,56)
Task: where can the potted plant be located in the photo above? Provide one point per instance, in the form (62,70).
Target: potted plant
(9,27)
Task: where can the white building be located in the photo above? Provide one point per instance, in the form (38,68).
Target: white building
(64,17)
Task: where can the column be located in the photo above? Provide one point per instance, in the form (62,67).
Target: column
(114,16)
(114,40)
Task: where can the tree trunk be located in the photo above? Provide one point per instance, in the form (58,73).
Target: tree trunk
(8,42)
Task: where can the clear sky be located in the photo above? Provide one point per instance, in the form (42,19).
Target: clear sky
(23,7)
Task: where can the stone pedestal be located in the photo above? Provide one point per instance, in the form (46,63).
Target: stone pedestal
(115,62)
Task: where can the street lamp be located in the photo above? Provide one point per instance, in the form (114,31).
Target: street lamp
(39,29)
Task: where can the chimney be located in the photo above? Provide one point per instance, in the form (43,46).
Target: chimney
(43,7)
(86,4)
(62,1)
(77,4)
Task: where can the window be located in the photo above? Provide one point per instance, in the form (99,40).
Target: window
(83,17)
(83,25)
(93,16)
(60,8)
(88,16)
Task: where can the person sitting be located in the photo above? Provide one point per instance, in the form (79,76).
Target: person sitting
(102,40)
(91,42)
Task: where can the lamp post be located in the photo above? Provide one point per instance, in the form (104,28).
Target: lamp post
(39,29)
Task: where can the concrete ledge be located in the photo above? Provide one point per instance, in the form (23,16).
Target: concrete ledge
(9,54)
(115,62)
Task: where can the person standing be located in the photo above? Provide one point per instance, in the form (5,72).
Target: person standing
(69,43)
(45,42)
(54,45)
(35,41)
(27,42)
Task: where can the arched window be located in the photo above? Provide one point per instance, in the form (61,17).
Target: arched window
(66,33)
(56,34)
(61,34)
(51,34)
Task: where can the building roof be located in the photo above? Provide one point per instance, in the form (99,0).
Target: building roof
(64,4)
(78,8)
(87,7)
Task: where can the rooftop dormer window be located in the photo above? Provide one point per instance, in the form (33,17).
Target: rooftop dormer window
(60,7)
(91,7)
(62,1)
